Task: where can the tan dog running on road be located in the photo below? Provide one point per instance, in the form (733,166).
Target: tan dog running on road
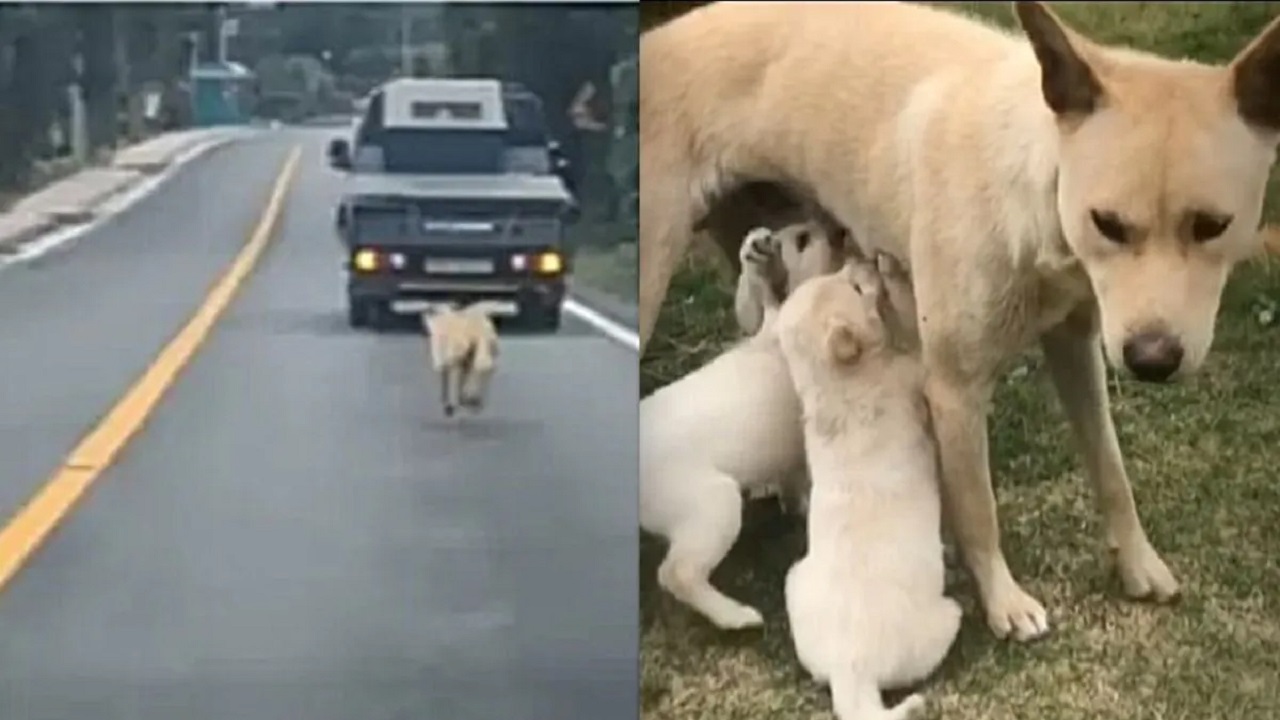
(464,353)
(1042,189)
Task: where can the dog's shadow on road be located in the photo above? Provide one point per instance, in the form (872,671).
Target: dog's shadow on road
(483,427)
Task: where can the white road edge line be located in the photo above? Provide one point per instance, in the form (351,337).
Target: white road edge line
(66,236)
(614,331)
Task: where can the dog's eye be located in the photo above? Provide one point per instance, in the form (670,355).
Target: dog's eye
(1110,226)
(1207,226)
(802,240)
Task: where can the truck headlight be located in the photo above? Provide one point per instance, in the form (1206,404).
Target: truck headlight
(546,263)
(365,260)
(550,263)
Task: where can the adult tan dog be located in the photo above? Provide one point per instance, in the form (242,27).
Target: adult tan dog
(1052,190)
(464,353)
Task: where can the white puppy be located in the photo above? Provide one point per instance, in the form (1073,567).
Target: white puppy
(866,602)
(731,426)
(464,353)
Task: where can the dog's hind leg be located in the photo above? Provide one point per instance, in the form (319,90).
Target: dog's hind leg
(476,388)
(698,545)
(931,634)
(467,393)
(1074,359)
(854,696)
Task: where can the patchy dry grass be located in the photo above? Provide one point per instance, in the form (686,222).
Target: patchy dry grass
(1202,459)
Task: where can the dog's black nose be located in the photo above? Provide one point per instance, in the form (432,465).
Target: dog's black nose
(1153,356)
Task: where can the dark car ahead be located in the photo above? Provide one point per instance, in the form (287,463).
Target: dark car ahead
(433,211)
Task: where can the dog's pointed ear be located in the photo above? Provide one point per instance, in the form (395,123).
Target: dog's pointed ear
(842,343)
(1255,79)
(1069,84)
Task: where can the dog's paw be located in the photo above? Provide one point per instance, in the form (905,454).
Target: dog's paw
(737,617)
(1144,575)
(912,706)
(758,248)
(449,410)
(1011,612)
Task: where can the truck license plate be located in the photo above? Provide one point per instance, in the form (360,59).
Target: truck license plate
(443,266)
(500,308)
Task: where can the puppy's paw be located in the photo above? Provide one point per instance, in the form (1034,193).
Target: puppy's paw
(737,617)
(758,248)
(1012,612)
(912,706)
(1144,575)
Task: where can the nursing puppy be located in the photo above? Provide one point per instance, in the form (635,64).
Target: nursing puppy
(464,353)
(730,426)
(775,262)
(865,602)
(1048,189)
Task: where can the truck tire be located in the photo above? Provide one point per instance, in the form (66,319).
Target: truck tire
(357,313)
(371,314)
(545,320)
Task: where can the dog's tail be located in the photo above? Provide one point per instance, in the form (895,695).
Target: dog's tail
(855,696)
(485,307)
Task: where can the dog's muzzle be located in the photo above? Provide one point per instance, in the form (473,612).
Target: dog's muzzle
(1153,355)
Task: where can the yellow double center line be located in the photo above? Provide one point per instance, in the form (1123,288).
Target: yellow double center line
(95,452)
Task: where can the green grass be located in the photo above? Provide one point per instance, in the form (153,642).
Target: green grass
(608,269)
(1201,457)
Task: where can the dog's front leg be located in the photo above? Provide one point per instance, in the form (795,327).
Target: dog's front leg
(448,384)
(1074,359)
(959,409)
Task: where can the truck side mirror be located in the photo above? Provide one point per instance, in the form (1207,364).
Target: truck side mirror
(563,169)
(571,213)
(339,154)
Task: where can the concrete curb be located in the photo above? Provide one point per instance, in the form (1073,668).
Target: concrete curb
(17,229)
(154,155)
(92,188)
(88,189)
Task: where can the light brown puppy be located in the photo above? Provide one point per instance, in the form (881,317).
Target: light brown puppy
(1042,189)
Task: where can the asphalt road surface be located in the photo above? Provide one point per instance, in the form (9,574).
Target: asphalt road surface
(296,532)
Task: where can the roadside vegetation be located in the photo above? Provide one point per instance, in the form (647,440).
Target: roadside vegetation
(1201,457)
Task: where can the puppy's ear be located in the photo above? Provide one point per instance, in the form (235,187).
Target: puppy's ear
(1069,84)
(842,343)
(1255,79)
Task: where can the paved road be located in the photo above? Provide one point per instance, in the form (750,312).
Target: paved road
(296,532)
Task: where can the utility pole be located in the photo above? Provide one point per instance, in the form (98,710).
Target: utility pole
(406,46)
(225,29)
